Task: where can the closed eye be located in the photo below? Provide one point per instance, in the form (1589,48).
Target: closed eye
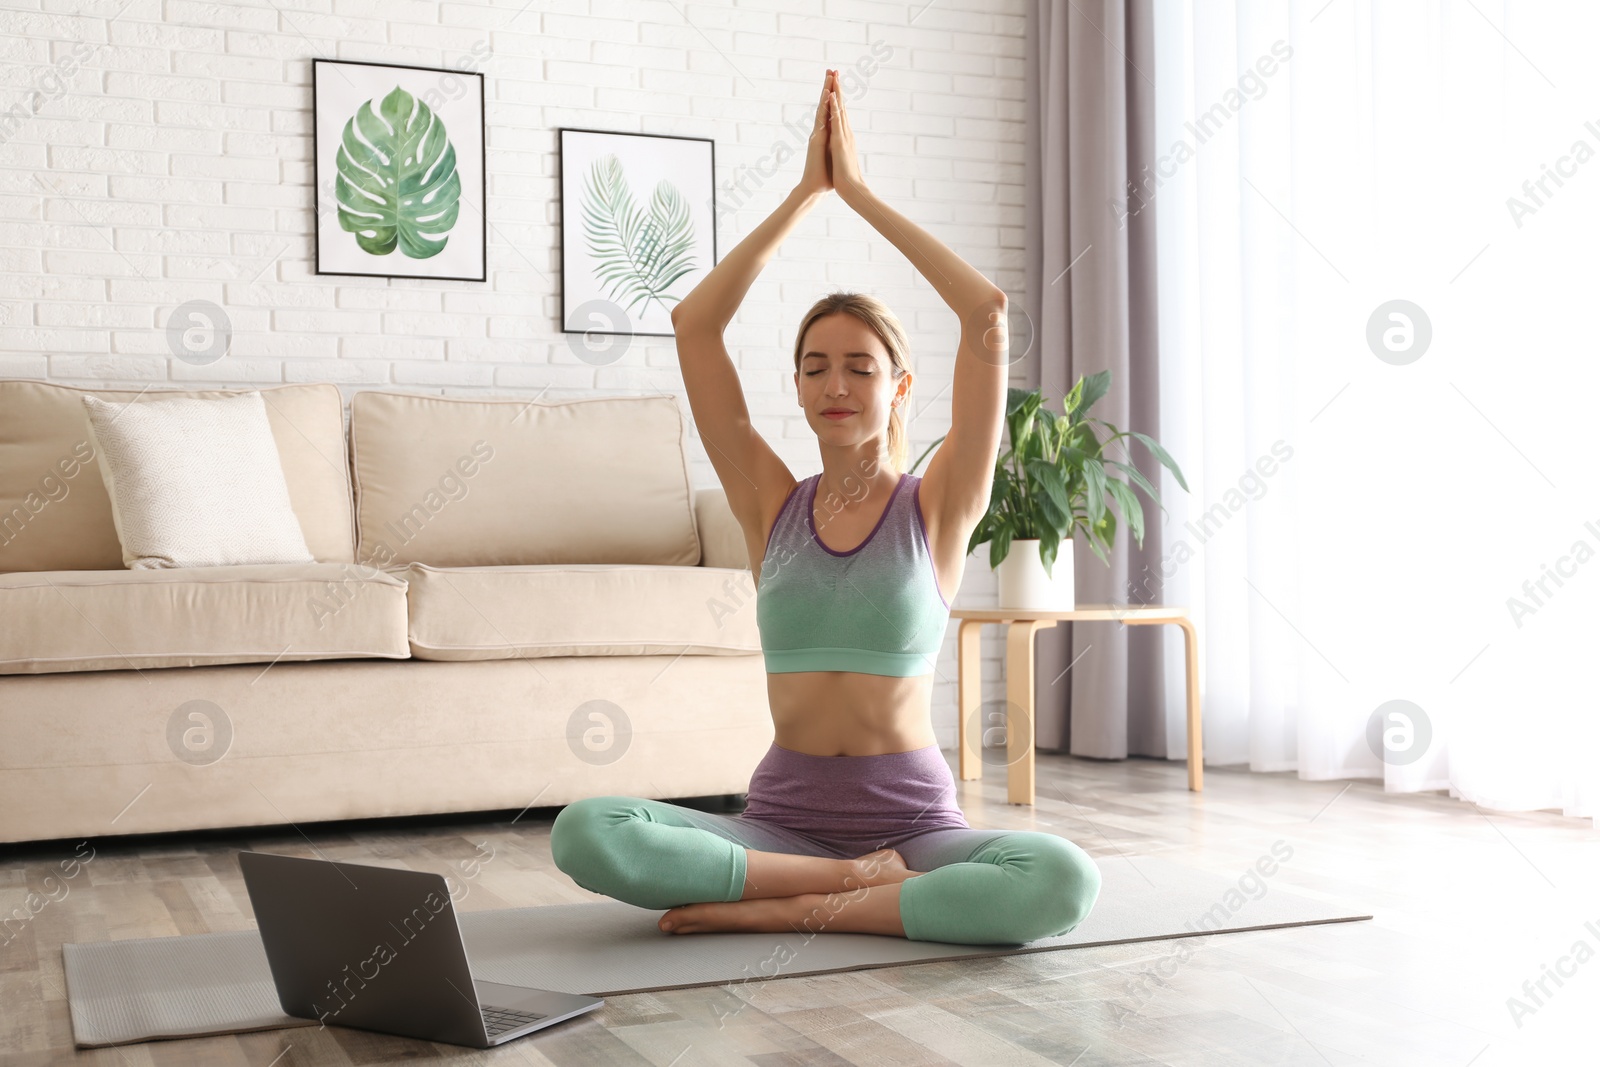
(863,373)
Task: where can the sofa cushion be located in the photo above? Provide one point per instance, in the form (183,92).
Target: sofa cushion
(454,482)
(91,620)
(467,613)
(195,483)
(722,541)
(55,513)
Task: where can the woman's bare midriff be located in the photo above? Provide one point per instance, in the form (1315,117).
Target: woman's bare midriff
(842,713)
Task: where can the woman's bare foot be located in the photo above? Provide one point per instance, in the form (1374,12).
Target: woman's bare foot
(762,915)
(868,910)
(883,867)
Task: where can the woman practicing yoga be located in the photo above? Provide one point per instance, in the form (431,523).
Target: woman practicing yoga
(851,822)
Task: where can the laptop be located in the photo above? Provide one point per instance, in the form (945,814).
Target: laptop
(380,949)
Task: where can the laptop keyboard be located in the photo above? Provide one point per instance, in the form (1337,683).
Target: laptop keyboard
(497,1021)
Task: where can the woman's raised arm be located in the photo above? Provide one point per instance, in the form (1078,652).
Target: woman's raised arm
(955,489)
(958,283)
(750,471)
(716,299)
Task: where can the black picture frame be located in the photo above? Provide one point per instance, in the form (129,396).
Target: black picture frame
(705,208)
(323,202)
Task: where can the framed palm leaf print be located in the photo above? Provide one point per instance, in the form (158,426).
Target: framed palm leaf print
(638,228)
(398,167)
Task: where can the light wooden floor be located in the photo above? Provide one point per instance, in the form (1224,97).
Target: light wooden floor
(1468,907)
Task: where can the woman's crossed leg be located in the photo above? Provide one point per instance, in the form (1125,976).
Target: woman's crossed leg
(719,872)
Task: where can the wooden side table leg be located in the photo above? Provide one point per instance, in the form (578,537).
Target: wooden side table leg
(1020,708)
(1191,657)
(969,697)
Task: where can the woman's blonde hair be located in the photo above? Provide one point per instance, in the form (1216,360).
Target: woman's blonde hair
(881,321)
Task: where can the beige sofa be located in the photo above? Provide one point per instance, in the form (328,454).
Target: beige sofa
(514,603)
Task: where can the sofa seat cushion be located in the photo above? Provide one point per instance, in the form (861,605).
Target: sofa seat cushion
(102,620)
(472,613)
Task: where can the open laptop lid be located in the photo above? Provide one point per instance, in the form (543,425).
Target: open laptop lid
(369,947)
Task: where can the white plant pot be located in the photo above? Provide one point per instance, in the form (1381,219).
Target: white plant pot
(1024,585)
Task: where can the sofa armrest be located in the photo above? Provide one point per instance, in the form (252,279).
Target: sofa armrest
(721,537)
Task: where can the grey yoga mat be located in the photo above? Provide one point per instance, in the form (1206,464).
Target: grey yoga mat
(164,987)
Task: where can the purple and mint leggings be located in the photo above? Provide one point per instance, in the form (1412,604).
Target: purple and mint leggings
(982,886)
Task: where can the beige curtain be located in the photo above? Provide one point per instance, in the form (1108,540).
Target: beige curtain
(1091,292)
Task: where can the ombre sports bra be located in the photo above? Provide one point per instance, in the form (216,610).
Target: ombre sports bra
(875,609)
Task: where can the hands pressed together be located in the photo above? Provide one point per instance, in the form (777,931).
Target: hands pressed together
(831,161)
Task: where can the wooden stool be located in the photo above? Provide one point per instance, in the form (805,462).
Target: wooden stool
(1022,626)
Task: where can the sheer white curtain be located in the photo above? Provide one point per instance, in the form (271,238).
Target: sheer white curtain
(1368,524)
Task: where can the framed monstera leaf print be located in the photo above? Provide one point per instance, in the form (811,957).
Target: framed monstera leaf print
(399,170)
(638,232)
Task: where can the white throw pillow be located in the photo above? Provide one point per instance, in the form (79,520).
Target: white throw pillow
(195,482)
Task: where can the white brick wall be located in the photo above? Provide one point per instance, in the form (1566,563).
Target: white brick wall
(164,155)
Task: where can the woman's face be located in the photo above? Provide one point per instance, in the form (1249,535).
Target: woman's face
(845,382)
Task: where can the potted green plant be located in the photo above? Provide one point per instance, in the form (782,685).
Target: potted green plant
(1050,481)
